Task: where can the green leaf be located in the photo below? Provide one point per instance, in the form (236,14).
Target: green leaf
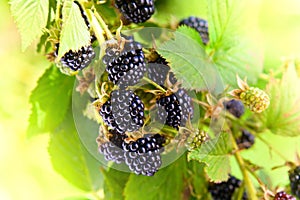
(283,115)
(71,159)
(31,17)
(74,33)
(50,101)
(167,183)
(232,52)
(215,154)
(189,62)
(114,184)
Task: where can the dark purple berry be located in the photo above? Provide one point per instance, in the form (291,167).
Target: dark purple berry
(294,176)
(246,140)
(199,25)
(235,107)
(125,66)
(186,106)
(136,11)
(283,196)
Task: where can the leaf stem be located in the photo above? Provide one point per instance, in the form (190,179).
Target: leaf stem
(103,25)
(248,183)
(154,84)
(96,27)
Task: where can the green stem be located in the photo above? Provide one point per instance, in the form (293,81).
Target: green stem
(103,25)
(248,183)
(95,26)
(154,84)
(58,9)
(272,148)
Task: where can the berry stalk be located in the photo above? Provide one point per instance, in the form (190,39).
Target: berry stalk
(154,84)
(103,25)
(248,183)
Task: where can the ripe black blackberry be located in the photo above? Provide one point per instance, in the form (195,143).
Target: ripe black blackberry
(158,71)
(294,176)
(169,111)
(283,196)
(143,155)
(125,66)
(124,111)
(137,11)
(76,60)
(186,105)
(225,190)
(235,107)
(199,25)
(112,149)
(246,140)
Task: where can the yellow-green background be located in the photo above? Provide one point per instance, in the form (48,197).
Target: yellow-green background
(25,168)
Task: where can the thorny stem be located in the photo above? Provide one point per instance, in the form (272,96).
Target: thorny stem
(103,24)
(154,84)
(248,183)
(272,148)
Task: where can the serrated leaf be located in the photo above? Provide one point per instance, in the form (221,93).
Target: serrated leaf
(50,101)
(71,159)
(31,17)
(167,183)
(192,33)
(215,154)
(189,62)
(232,52)
(283,115)
(114,184)
(74,32)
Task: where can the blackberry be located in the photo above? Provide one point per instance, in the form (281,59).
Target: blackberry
(143,155)
(283,196)
(294,176)
(225,190)
(77,60)
(169,111)
(123,111)
(186,105)
(83,14)
(158,71)
(199,25)
(112,149)
(125,66)
(137,11)
(246,140)
(235,107)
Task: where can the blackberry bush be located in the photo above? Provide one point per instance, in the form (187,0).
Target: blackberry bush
(169,111)
(123,111)
(137,11)
(199,25)
(186,106)
(294,176)
(225,190)
(125,66)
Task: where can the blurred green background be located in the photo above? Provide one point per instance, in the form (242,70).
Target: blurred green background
(25,169)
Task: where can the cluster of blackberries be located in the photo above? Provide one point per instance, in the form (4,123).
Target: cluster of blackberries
(225,190)
(142,156)
(294,176)
(137,11)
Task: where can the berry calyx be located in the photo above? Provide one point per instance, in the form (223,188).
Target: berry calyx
(137,11)
(199,24)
